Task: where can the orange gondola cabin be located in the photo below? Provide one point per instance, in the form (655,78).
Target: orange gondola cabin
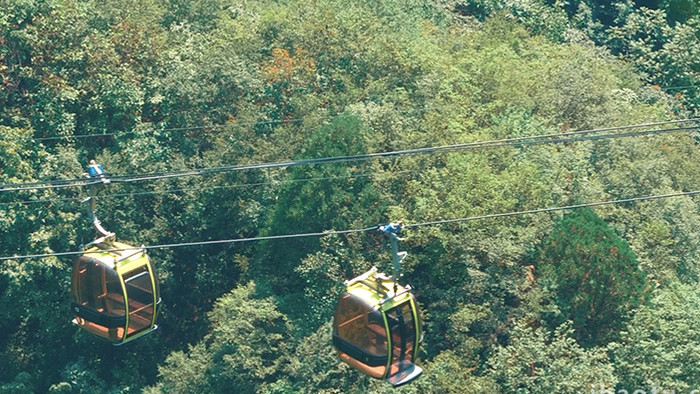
(377,328)
(115,292)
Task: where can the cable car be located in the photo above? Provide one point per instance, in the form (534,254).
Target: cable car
(377,328)
(115,294)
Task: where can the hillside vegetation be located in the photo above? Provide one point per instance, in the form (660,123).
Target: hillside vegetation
(563,301)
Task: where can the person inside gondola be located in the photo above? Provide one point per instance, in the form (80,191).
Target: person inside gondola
(95,171)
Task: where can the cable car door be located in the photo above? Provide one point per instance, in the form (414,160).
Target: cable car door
(402,325)
(139,290)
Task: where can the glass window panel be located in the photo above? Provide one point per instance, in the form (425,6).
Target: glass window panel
(403,332)
(360,335)
(97,287)
(139,290)
(360,325)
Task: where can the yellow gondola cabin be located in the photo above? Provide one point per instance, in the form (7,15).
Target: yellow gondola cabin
(377,328)
(115,294)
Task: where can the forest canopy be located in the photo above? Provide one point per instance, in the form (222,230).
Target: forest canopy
(565,300)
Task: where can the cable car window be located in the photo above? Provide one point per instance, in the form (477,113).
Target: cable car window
(98,300)
(139,291)
(403,339)
(420,319)
(403,333)
(97,287)
(152,268)
(360,334)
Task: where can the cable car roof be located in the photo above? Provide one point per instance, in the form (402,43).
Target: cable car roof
(117,255)
(377,289)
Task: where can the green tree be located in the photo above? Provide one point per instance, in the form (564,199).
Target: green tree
(595,274)
(246,349)
(540,16)
(315,366)
(323,273)
(448,373)
(536,360)
(22,383)
(78,378)
(663,240)
(185,372)
(660,346)
(666,55)
(318,198)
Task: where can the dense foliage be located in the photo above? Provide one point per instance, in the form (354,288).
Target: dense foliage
(595,276)
(561,302)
